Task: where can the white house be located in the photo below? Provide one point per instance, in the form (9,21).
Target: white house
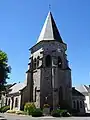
(78,101)
(85,90)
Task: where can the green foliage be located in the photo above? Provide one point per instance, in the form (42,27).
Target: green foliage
(11,111)
(55,113)
(29,108)
(59,112)
(65,113)
(1,109)
(37,112)
(4,69)
(46,106)
(4,109)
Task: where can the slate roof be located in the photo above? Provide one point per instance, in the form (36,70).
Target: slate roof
(82,88)
(17,87)
(76,92)
(49,30)
(9,86)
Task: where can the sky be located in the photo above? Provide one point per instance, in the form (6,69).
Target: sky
(21,22)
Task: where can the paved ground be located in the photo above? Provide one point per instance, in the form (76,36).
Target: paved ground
(20,117)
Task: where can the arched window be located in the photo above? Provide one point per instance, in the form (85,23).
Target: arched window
(9,102)
(80,104)
(48,61)
(74,104)
(59,62)
(16,102)
(34,63)
(38,61)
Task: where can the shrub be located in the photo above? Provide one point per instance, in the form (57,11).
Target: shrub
(55,113)
(1,109)
(20,112)
(11,111)
(37,113)
(29,108)
(4,109)
(59,112)
(65,113)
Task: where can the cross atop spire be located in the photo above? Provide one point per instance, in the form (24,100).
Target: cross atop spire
(49,6)
(49,30)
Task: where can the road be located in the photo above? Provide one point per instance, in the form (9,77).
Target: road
(21,117)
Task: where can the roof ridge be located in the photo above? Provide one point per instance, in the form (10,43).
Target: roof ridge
(85,87)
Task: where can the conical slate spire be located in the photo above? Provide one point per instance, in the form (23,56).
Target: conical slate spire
(49,30)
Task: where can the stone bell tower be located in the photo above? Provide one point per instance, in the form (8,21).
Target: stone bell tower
(50,72)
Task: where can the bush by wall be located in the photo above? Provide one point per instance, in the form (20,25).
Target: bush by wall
(0,109)
(29,108)
(55,113)
(60,113)
(65,113)
(37,112)
(4,109)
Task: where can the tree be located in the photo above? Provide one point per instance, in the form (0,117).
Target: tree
(4,70)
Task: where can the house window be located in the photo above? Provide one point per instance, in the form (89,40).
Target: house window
(59,62)
(9,102)
(38,61)
(34,64)
(80,104)
(74,104)
(48,61)
(16,102)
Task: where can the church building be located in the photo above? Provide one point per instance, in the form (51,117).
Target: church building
(48,69)
(48,78)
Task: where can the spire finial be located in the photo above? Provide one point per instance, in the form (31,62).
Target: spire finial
(49,6)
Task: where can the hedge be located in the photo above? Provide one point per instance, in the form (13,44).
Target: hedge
(4,109)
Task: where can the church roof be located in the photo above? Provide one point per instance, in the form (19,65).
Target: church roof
(76,92)
(17,87)
(49,30)
(82,88)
